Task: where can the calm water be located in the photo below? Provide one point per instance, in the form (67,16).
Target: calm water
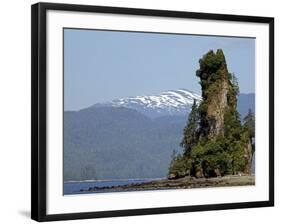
(75,187)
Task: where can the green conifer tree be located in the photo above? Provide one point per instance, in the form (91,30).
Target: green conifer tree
(249,124)
(190,135)
(214,141)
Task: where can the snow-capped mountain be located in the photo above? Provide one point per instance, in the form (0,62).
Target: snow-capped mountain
(172,102)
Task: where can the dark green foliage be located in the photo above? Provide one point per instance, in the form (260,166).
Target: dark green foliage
(211,68)
(249,124)
(232,128)
(180,166)
(249,128)
(212,157)
(115,142)
(215,142)
(238,159)
(190,135)
(204,124)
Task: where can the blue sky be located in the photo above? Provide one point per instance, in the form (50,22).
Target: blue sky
(103,65)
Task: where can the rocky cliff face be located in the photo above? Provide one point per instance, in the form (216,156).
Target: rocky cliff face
(216,110)
(219,106)
(248,155)
(215,141)
(216,86)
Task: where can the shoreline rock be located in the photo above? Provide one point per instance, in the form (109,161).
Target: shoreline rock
(181,183)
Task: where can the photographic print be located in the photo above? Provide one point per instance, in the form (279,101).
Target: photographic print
(141,111)
(150,111)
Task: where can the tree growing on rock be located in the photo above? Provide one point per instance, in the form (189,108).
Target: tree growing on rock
(215,143)
(190,132)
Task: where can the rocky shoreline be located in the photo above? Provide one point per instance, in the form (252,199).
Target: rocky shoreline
(181,183)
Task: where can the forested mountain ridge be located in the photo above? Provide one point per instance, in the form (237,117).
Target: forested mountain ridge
(141,146)
(117,142)
(134,137)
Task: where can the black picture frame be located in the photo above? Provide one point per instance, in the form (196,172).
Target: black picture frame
(39,122)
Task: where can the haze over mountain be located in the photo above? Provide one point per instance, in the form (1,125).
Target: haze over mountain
(131,137)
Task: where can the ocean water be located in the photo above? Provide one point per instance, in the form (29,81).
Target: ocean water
(79,186)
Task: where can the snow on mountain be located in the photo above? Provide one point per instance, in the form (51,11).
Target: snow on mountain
(172,102)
